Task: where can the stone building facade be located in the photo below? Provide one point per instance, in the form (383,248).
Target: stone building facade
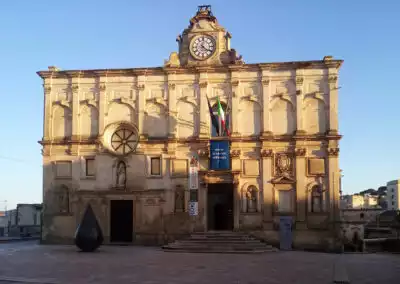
(122,140)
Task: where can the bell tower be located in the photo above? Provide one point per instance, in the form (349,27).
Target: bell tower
(204,42)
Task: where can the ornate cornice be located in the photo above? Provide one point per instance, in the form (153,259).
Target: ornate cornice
(317,64)
(333,152)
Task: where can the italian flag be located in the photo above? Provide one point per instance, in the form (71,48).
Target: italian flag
(221,114)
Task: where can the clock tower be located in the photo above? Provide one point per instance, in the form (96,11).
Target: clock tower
(203,43)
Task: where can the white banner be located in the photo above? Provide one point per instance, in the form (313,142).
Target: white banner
(193,178)
(193,208)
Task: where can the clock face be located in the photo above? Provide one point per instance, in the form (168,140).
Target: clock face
(202,47)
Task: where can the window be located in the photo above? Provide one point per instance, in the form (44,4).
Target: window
(124,141)
(63,169)
(90,167)
(155,166)
(227,118)
(285,200)
(316,199)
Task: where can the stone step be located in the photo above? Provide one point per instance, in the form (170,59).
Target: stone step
(219,242)
(219,251)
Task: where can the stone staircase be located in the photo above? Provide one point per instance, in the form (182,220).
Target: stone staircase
(219,242)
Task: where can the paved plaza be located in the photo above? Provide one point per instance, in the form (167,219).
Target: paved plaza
(28,262)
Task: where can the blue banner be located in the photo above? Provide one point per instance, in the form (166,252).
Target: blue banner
(219,155)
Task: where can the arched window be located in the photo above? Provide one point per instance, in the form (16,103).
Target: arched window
(316,199)
(227,120)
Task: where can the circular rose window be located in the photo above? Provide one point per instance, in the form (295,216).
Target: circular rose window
(124,141)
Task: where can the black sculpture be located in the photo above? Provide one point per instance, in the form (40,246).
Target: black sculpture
(88,236)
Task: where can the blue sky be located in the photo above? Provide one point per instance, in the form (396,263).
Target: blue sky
(85,34)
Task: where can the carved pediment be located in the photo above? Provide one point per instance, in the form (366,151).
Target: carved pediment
(283,180)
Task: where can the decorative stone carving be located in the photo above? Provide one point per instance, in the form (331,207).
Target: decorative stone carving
(332,79)
(47,90)
(300,152)
(265,82)
(235,83)
(267,153)
(179,198)
(235,153)
(140,87)
(333,152)
(102,87)
(203,153)
(75,88)
(173,60)
(284,164)
(203,85)
(171,86)
(121,175)
(299,81)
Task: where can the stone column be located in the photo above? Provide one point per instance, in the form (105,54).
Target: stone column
(204,123)
(235,108)
(299,104)
(266,90)
(141,97)
(301,191)
(103,106)
(333,103)
(267,188)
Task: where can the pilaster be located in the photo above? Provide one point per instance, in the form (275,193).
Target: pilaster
(267,188)
(47,111)
(141,96)
(299,102)
(301,192)
(235,108)
(204,117)
(333,102)
(74,88)
(334,186)
(266,89)
(172,111)
(102,89)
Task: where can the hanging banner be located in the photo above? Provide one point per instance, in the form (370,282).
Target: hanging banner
(219,155)
(194,174)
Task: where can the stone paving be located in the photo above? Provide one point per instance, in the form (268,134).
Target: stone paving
(29,262)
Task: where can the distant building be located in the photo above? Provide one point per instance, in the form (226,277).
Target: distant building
(392,195)
(25,220)
(358,201)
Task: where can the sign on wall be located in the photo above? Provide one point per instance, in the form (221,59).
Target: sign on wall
(193,209)
(194,174)
(219,155)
